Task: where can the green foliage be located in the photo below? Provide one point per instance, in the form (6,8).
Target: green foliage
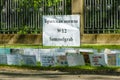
(24,30)
(75,69)
(117,31)
(38,64)
(86,46)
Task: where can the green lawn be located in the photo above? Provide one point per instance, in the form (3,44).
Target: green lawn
(82,46)
(76,69)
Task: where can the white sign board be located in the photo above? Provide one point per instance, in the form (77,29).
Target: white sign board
(4,51)
(29,60)
(98,59)
(61,60)
(75,59)
(61,30)
(118,59)
(3,59)
(47,60)
(111,59)
(13,59)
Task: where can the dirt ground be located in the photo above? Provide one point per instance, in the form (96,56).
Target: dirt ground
(24,74)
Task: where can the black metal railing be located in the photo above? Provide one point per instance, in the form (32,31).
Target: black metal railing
(102,16)
(25,16)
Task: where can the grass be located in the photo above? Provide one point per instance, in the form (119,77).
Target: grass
(101,46)
(92,46)
(62,68)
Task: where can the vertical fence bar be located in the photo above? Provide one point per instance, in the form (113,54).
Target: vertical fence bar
(95,17)
(98,20)
(101,14)
(91,16)
(65,6)
(114,19)
(117,19)
(17,19)
(0,18)
(111,17)
(9,15)
(7,20)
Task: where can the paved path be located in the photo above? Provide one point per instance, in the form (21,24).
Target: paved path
(50,75)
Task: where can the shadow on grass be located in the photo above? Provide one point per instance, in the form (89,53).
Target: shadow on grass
(94,70)
(61,70)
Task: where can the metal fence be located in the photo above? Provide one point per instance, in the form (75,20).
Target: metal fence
(102,16)
(25,16)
